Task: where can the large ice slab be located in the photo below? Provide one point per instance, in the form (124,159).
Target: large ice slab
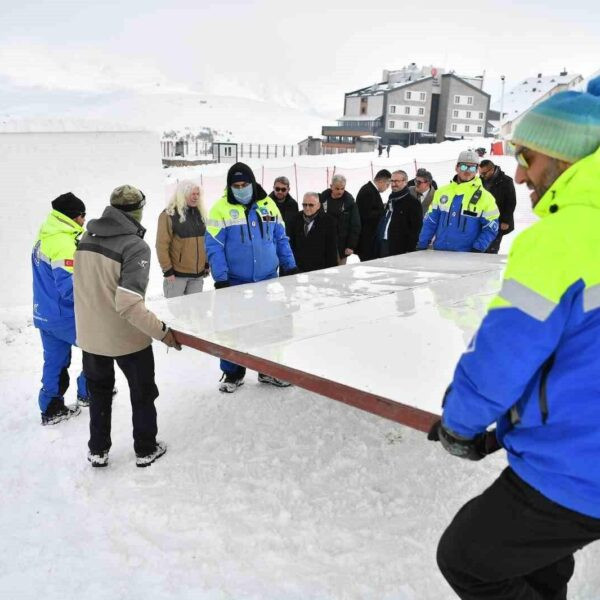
(391,328)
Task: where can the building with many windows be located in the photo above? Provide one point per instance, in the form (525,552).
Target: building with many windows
(412,106)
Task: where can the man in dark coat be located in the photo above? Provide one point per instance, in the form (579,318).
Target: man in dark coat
(502,187)
(423,189)
(340,204)
(312,236)
(399,227)
(370,208)
(288,207)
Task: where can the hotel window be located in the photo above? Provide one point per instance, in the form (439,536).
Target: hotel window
(421,111)
(479,129)
(391,125)
(456,99)
(406,125)
(467,128)
(468,114)
(407,110)
(392,109)
(469,99)
(422,96)
(481,116)
(408,95)
(420,125)
(455,114)
(454,127)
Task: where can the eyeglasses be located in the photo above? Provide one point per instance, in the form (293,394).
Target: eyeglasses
(465,167)
(305,205)
(420,181)
(398,180)
(278,189)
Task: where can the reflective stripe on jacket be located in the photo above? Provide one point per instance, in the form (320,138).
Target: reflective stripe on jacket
(533,365)
(52,266)
(247,244)
(462,217)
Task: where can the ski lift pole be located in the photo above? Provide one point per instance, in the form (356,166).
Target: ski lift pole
(296,178)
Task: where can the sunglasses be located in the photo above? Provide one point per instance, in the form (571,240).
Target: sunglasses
(305,204)
(470,168)
(518,151)
(278,189)
(420,181)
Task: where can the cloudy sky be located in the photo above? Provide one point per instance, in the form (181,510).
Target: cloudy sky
(313,48)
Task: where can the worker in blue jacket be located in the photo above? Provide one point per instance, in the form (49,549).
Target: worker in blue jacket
(463,216)
(532,370)
(53,310)
(246,242)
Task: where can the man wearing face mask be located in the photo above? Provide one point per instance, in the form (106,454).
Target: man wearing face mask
(245,243)
(463,216)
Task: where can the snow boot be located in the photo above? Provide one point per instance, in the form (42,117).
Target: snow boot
(57,412)
(98,460)
(273,380)
(148,459)
(230,383)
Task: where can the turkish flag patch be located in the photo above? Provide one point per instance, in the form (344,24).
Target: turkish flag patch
(68,262)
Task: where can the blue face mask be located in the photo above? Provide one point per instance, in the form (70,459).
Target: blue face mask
(243,195)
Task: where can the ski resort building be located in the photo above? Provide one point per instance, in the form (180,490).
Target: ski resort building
(411,106)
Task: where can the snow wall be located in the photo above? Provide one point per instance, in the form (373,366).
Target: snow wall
(38,166)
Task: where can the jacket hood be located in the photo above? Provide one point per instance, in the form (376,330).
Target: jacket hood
(114,222)
(257,191)
(579,185)
(57,223)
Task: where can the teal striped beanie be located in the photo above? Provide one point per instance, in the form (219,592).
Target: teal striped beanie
(565,126)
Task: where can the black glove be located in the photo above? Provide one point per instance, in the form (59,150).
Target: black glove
(475,250)
(221,284)
(293,271)
(473,449)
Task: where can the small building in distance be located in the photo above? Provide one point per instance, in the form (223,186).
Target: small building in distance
(225,152)
(311,146)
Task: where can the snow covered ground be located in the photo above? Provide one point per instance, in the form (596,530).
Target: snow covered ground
(267,494)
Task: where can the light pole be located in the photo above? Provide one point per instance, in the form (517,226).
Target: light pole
(501,103)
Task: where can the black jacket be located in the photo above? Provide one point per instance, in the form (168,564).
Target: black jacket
(370,209)
(406,218)
(347,220)
(501,186)
(288,209)
(318,249)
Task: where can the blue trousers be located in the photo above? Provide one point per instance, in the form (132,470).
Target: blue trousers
(57,343)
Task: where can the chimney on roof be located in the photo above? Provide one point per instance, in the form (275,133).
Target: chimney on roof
(539,75)
(564,72)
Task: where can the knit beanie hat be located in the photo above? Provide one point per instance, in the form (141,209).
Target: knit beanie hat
(566,126)
(128,199)
(69,205)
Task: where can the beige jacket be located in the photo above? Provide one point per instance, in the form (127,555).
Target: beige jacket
(110,278)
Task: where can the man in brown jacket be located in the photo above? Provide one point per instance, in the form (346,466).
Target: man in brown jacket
(110,279)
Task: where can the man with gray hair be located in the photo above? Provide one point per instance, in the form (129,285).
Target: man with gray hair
(423,189)
(340,204)
(288,207)
(312,236)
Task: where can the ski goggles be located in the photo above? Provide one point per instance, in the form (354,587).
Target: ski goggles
(464,167)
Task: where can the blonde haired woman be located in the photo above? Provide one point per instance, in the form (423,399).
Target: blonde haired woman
(180,241)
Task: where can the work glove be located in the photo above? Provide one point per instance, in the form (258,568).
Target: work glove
(221,284)
(170,341)
(472,449)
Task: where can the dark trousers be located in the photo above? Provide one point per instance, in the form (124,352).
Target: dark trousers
(513,543)
(138,368)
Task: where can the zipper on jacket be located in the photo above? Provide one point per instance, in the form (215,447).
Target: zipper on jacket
(543,395)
